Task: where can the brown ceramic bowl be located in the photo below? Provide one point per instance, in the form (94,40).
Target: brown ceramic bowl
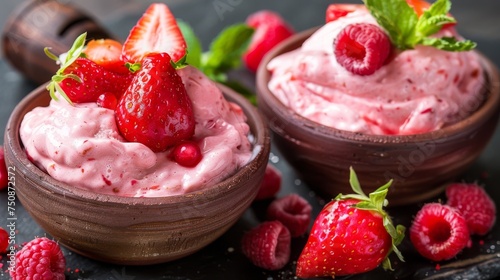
(420,164)
(129,230)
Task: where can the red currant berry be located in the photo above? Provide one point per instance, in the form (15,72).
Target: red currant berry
(362,48)
(107,100)
(187,154)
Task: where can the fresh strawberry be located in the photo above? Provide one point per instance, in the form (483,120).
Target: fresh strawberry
(4,175)
(107,53)
(362,48)
(82,80)
(439,232)
(270,30)
(336,11)
(187,153)
(267,245)
(92,81)
(155,32)
(155,110)
(271,183)
(293,211)
(474,204)
(41,258)
(4,240)
(352,234)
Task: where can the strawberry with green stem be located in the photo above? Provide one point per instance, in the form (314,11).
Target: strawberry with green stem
(352,234)
(80,79)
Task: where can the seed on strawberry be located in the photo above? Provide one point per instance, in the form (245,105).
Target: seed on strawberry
(4,175)
(40,258)
(352,234)
(155,109)
(267,245)
(155,32)
(362,48)
(336,11)
(293,211)
(270,30)
(4,240)
(439,232)
(474,204)
(107,100)
(187,153)
(271,183)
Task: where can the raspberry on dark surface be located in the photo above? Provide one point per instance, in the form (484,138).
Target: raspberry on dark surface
(293,211)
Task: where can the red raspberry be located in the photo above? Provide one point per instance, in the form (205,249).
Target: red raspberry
(362,48)
(4,240)
(268,245)
(270,30)
(293,211)
(474,204)
(439,232)
(271,184)
(187,154)
(42,259)
(4,175)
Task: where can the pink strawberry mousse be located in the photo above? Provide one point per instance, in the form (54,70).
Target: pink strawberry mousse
(81,145)
(416,91)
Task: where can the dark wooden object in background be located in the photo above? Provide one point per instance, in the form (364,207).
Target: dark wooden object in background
(44,23)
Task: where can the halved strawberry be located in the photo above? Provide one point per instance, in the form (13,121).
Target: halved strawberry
(335,11)
(155,32)
(107,53)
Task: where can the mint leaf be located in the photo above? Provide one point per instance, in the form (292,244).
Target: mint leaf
(406,29)
(194,48)
(397,18)
(226,50)
(449,44)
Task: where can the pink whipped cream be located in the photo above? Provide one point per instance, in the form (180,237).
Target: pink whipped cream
(81,145)
(416,91)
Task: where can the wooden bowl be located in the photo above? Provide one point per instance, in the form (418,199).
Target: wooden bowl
(420,164)
(133,230)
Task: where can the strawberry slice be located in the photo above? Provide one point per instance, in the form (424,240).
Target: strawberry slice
(155,32)
(107,53)
(336,11)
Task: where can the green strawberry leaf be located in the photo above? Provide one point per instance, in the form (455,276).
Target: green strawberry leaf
(406,29)
(194,48)
(226,50)
(354,181)
(73,53)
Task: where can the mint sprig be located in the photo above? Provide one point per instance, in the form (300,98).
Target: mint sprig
(375,202)
(407,30)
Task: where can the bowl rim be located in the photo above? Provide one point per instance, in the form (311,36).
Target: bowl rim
(261,147)
(485,111)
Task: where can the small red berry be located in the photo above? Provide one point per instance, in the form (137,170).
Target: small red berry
(271,183)
(270,30)
(41,258)
(4,175)
(293,211)
(268,245)
(107,100)
(362,48)
(439,232)
(187,154)
(474,204)
(4,240)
